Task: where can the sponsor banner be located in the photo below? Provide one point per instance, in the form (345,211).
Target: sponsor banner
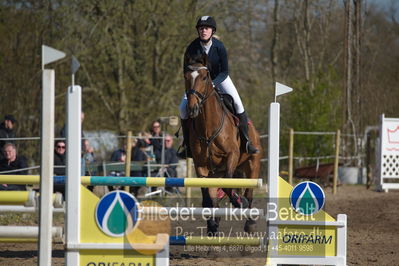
(303,203)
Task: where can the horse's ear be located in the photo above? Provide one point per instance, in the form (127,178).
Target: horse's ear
(205,59)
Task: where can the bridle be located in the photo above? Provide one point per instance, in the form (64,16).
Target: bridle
(201,97)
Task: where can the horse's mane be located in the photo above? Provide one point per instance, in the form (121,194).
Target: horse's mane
(198,59)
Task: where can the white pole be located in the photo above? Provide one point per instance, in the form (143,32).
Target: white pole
(274,166)
(274,149)
(49,55)
(46,170)
(73,138)
(273,171)
(381,156)
(28,232)
(23,209)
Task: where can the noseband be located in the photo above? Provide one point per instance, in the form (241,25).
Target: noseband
(201,97)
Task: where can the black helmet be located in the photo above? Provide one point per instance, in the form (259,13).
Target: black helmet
(206,21)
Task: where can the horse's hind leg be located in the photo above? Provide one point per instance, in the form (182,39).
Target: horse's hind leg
(209,200)
(250,224)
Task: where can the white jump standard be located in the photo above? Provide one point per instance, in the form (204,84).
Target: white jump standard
(388,160)
(297,240)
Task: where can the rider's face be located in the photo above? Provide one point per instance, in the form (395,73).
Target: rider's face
(205,33)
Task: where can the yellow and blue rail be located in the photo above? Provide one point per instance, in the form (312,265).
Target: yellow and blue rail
(140,181)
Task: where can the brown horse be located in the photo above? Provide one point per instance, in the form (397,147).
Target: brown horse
(215,141)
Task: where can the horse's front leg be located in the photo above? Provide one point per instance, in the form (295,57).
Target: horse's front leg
(250,224)
(251,169)
(209,200)
(235,198)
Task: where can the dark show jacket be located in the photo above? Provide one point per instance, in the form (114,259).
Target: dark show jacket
(59,159)
(217,59)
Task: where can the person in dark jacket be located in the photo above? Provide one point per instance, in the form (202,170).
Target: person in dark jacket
(139,154)
(59,163)
(219,72)
(11,162)
(59,157)
(6,131)
(156,140)
(170,161)
(170,156)
(118,155)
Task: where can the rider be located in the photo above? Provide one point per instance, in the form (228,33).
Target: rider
(218,68)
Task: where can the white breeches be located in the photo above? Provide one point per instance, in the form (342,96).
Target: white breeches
(227,87)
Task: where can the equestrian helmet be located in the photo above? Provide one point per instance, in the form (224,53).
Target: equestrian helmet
(207,21)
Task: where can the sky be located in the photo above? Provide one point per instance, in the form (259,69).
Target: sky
(387,6)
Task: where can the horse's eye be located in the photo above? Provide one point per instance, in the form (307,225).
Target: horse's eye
(204,78)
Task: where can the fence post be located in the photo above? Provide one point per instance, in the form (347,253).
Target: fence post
(291,156)
(189,174)
(336,161)
(128,157)
(47,168)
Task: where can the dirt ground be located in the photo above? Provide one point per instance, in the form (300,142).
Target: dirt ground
(373,235)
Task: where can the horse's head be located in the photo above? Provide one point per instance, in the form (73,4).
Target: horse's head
(198,85)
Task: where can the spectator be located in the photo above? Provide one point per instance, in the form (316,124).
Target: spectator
(59,163)
(170,161)
(170,156)
(88,152)
(59,157)
(156,141)
(11,162)
(6,131)
(119,155)
(140,155)
(88,157)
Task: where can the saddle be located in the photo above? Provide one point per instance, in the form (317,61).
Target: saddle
(228,102)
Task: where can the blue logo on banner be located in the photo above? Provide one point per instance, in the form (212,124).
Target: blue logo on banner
(307,198)
(116,213)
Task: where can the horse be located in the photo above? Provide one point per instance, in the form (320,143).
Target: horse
(215,141)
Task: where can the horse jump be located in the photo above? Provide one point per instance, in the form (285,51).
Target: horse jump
(89,251)
(80,250)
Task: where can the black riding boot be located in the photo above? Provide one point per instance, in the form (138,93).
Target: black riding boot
(243,127)
(186,152)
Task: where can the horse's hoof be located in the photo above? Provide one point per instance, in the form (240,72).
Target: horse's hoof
(212,228)
(239,201)
(212,233)
(250,226)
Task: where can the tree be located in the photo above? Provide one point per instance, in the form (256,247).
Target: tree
(131,53)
